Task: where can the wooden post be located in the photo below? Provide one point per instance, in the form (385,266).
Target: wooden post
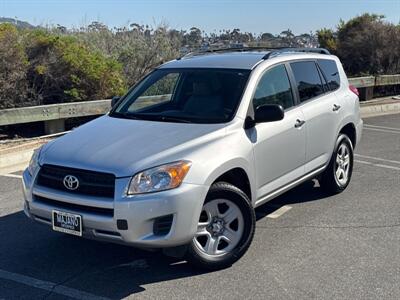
(54,126)
(366,93)
(369,93)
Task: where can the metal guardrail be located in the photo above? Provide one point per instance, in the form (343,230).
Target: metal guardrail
(363,82)
(387,80)
(55,114)
(371,81)
(367,84)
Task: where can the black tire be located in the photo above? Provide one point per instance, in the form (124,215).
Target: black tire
(223,190)
(328,179)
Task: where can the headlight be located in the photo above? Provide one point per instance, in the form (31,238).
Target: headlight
(34,163)
(160,178)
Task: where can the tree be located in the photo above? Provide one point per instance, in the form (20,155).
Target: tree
(194,38)
(97,26)
(14,88)
(287,37)
(327,39)
(62,69)
(267,36)
(369,45)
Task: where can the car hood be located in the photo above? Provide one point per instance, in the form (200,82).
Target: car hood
(124,147)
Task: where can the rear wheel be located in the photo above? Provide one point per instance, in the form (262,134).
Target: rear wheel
(337,176)
(225,228)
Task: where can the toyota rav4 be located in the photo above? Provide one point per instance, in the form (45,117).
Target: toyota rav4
(184,158)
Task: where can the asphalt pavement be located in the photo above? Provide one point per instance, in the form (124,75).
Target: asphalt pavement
(306,246)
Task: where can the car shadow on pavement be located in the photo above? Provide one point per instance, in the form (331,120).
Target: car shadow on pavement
(305,192)
(102,269)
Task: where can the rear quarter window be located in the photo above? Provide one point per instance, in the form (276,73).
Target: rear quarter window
(308,80)
(331,73)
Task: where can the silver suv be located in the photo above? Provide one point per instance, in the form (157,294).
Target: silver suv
(183,159)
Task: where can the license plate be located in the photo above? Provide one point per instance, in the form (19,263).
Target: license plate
(67,223)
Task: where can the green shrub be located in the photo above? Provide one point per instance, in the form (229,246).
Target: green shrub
(63,69)
(366,45)
(14,87)
(55,65)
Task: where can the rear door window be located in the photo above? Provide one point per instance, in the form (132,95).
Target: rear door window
(331,72)
(308,80)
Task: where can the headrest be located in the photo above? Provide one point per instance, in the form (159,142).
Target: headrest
(202,88)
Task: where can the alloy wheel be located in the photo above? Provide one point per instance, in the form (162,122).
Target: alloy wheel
(220,228)
(342,165)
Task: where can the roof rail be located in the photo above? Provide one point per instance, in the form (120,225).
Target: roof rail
(273,51)
(241,49)
(231,49)
(276,52)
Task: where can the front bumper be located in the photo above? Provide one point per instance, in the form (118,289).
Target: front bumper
(140,212)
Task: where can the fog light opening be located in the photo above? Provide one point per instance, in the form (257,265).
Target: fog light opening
(162,225)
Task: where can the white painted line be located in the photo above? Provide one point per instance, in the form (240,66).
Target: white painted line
(178,263)
(279,212)
(377,158)
(136,264)
(47,286)
(11,175)
(381,130)
(377,165)
(383,127)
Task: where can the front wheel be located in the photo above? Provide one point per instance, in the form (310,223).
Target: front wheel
(337,175)
(225,228)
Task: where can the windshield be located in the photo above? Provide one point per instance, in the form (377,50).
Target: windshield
(185,95)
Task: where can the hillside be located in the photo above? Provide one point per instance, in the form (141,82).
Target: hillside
(20,24)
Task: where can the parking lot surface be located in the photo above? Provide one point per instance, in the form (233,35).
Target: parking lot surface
(306,246)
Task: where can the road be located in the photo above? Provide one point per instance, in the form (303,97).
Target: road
(316,247)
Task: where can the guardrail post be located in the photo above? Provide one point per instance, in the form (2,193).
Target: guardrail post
(365,85)
(54,126)
(367,93)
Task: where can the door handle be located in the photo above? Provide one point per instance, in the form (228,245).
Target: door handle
(336,107)
(299,123)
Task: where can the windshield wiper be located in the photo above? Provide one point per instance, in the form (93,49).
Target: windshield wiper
(126,115)
(162,118)
(149,117)
(174,119)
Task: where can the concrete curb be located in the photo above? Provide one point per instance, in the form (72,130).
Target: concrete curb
(372,110)
(15,161)
(16,158)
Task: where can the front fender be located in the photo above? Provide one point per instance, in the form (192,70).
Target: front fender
(233,150)
(229,165)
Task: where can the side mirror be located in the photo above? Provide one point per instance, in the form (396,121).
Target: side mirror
(268,113)
(114,100)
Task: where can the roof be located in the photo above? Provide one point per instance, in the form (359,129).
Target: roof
(242,58)
(226,60)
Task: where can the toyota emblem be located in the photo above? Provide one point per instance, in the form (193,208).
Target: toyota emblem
(71,182)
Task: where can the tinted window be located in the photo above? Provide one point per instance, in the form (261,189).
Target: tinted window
(161,91)
(307,79)
(274,88)
(185,95)
(331,73)
(324,83)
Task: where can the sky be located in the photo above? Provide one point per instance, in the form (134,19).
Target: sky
(211,16)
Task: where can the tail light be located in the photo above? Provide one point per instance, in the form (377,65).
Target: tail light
(354,90)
